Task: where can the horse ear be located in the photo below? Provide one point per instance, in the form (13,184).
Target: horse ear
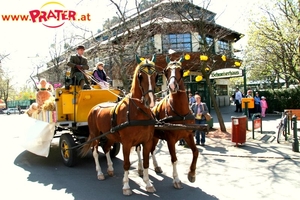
(167,59)
(181,59)
(137,58)
(153,58)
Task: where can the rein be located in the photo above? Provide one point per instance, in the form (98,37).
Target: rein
(177,117)
(125,124)
(151,121)
(96,81)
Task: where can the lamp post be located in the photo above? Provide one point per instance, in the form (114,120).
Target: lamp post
(245,79)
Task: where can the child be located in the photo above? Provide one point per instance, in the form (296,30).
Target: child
(264,106)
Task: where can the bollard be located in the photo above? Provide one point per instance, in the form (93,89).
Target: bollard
(256,123)
(295,143)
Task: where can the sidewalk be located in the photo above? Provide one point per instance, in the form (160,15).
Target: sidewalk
(262,146)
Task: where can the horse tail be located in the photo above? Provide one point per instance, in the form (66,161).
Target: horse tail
(88,144)
(85,149)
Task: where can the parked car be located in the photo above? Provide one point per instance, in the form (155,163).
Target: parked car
(12,111)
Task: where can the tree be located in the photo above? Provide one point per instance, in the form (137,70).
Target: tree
(202,21)
(273,50)
(123,40)
(5,87)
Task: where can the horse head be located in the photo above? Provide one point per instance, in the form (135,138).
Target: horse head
(174,74)
(146,76)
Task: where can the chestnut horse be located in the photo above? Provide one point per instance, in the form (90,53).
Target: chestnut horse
(129,122)
(174,108)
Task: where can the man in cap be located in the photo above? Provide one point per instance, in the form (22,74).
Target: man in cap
(78,63)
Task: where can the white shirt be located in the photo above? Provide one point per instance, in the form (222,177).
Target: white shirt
(238,96)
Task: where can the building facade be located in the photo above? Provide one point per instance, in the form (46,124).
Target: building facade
(166,28)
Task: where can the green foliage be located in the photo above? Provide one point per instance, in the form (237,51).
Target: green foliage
(273,45)
(281,99)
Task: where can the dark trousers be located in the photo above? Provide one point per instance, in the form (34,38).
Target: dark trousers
(257,108)
(238,106)
(198,133)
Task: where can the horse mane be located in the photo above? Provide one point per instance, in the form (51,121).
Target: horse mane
(134,79)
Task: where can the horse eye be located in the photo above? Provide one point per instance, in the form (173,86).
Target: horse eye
(140,76)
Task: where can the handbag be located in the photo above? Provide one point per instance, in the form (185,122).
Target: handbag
(207,115)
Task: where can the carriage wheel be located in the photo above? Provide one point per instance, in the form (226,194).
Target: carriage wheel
(114,150)
(68,155)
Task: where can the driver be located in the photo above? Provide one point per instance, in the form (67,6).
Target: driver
(78,63)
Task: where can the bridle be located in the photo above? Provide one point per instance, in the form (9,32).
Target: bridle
(173,66)
(149,69)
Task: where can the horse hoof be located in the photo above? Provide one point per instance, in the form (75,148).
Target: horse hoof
(140,172)
(151,189)
(158,170)
(110,173)
(191,178)
(101,177)
(177,185)
(127,192)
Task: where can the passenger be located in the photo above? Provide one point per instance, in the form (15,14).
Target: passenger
(78,63)
(99,76)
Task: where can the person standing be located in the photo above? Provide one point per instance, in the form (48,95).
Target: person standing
(264,106)
(191,99)
(249,95)
(238,100)
(78,63)
(199,109)
(19,109)
(100,76)
(257,108)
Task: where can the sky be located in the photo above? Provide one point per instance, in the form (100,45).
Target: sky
(28,43)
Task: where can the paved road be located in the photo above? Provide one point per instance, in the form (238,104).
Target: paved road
(257,170)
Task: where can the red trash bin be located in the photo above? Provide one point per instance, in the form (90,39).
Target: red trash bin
(238,134)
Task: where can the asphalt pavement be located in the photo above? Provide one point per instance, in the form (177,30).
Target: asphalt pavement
(258,169)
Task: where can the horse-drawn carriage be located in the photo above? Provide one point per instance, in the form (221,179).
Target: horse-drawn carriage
(83,119)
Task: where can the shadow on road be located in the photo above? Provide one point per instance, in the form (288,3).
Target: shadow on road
(80,181)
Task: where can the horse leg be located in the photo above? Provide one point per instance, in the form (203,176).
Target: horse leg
(192,174)
(140,166)
(146,153)
(100,175)
(176,180)
(110,169)
(106,149)
(126,188)
(156,167)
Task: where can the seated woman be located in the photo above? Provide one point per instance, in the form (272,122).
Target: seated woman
(100,77)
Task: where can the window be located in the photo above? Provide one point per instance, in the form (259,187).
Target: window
(221,90)
(208,46)
(177,42)
(148,47)
(223,46)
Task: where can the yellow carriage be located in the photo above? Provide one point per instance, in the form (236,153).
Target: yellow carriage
(69,119)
